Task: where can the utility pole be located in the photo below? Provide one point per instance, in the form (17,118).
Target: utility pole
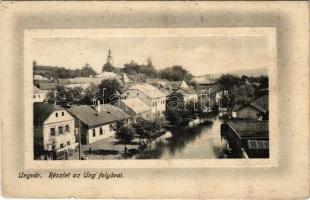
(209,99)
(79,139)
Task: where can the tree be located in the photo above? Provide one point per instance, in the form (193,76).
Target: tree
(124,134)
(139,126)
(74,95)
(87,71)
(175,73)
(263,82)
(228,81)
(109,88)
(180,113)
(108,67)
(89,94)
(147,70)
(57,95)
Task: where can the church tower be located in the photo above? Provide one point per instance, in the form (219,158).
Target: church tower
(109,58)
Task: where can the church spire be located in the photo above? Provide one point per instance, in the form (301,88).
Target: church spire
(109,58)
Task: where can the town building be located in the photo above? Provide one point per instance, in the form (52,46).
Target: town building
(127,82)
(258,109)
(53,127)
(149,95)
(204,80)
(46,85)
(96,122)
(187,95)
(39,77)
(136,108)
(38,94)
(108,75)
(84,86)
(247,138)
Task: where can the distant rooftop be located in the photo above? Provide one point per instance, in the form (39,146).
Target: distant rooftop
(91,117)
(36,90)
(136,105)
(148,90)
(261,104)
(204,79)
(47,85)
(107,75)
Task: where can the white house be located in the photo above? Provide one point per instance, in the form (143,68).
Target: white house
(54,136)
(38,94)
(39,77)
(96,123)
(149,95)
(135,107)
(187,94)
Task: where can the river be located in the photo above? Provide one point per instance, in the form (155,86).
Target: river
(201,142)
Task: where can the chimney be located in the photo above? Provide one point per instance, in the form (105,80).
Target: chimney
(98,106)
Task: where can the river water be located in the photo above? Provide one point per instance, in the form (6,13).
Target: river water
(201,142)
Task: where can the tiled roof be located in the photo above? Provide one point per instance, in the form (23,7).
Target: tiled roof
(261,104)
(91,117)
(136,105)
(41,111)
(47,86)
(250,128)
(185,91)
(36,90)
(148,90)
(204,79)
(107,75)
(80,80)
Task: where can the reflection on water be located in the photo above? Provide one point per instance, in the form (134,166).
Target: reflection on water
(203,141)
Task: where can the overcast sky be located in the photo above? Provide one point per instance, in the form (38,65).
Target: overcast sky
(199,55)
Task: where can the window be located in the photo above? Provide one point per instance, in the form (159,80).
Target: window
(94,132)
(111,127)
(63,113)
(62,145)
(60,130)
(56,114)
(34,96)
(67,128)
(100,131)
(52,132)
(68,143)
(38,96)
(137,93)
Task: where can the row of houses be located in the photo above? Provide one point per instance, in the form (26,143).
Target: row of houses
(57,130)
(247,133)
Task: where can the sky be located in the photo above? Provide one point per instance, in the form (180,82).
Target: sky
(198,54)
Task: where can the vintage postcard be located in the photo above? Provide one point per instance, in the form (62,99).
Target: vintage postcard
(118,104)
(140,94)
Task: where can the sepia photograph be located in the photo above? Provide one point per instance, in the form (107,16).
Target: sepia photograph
(154,99)
(152,96)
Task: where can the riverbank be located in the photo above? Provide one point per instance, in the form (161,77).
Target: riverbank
(201,141)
